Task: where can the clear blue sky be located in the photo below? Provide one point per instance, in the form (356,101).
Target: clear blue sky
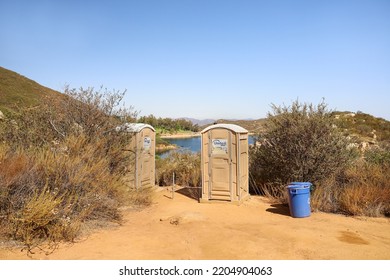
(206,59)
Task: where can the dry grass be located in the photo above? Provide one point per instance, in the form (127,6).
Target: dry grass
(365,201)
(275,192)
(60,170)
(185,166)
(362,190)
(139,197)
(326,196)
(368,190)
(45,195)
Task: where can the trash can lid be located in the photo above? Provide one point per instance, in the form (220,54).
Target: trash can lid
(296,185)
(300,183)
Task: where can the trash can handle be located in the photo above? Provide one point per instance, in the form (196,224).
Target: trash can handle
(295,190)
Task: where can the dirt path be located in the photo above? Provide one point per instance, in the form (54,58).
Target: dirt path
(183,229)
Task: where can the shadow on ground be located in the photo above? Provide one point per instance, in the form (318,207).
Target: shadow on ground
(193,193)
(190,192)
(281,209)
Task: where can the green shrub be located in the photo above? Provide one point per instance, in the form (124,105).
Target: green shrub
(379,155)
(168,125)
(300,143)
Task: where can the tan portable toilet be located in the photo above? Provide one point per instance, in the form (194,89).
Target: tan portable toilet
(224,158)
(142,149)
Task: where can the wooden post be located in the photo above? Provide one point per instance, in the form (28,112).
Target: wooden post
(173,185)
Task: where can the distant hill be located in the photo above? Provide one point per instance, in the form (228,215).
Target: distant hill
(200,122)
(17,91)
(366,127)
(253,126)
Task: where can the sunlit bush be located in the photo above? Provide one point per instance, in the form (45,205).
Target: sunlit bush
(300,143)
(61,165)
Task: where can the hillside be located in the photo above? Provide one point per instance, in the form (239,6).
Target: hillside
(366,127)
(253,126)
(17,91)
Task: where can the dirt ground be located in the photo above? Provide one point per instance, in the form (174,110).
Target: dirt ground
(183,229)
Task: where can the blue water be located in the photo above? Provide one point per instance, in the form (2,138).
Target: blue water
(192,144)
(186,144)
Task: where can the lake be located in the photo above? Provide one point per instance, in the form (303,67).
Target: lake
(192,144)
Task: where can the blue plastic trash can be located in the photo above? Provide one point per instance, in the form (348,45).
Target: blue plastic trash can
(299,199)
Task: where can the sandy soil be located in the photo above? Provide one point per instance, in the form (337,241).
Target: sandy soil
(183,229)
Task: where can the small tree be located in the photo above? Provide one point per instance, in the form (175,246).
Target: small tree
(300,143)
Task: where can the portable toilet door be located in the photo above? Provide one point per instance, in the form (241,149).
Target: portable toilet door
(142,150)
(224,159)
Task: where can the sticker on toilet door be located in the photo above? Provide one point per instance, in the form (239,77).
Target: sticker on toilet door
(147,143)
(219,147)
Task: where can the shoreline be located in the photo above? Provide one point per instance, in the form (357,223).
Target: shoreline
(164,148)
(180,135)
(189,135)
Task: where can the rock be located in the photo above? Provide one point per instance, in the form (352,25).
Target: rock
(363,146)
(2,116)
(351,146)
(184,217)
